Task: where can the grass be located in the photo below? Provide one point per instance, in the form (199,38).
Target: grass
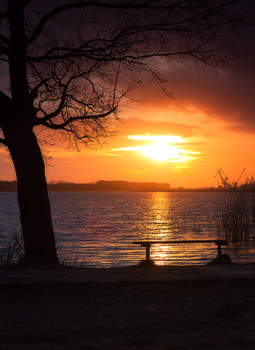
(12,250)
(12,253)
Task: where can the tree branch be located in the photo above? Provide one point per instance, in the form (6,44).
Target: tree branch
(5,110)
(70,120)
(59,108)
(4,40)
(3,141)
(3,15)
(78,5)
(135,5)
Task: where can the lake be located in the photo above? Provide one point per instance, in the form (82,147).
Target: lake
(96,229)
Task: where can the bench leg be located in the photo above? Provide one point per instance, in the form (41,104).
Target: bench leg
(219,250)
(221,258)
(148,253)
(147,261)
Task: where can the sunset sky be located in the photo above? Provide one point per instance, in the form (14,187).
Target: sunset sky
(208,124)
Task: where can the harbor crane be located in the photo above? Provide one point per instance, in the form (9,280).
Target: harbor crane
(235,184)
(224,178)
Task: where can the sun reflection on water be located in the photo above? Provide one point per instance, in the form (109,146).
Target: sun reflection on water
(164,221)
(164,224)
(169,220)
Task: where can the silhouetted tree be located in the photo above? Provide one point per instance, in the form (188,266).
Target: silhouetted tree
(69,65)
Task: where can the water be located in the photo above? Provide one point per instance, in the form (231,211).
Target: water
(97,229)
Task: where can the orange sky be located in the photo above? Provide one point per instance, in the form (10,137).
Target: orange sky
(201,145)
(211,114)
(211,144)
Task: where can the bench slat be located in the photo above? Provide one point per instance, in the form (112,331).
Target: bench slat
(222,242)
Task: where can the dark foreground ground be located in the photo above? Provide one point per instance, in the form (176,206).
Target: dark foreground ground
(166,314)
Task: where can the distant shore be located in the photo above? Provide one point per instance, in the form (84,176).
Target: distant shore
(11,186)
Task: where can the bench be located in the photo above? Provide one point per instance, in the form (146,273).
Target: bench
(148,244)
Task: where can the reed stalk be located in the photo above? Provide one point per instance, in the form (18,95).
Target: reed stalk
(237,217)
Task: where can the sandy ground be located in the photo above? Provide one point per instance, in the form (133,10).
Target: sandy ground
(206,307)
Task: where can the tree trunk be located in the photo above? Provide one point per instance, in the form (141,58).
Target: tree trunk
(16,121)
(35,213)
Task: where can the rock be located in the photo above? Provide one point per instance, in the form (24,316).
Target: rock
(223,259)
(146,263)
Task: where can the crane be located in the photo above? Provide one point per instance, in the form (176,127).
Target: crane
(236,183)
(224,178)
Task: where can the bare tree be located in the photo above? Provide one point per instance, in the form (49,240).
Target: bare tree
(70,64)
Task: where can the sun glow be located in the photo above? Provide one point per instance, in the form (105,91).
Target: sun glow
(160,152)
(161,148)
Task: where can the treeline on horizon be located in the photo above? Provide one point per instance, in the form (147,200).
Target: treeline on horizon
(102,185)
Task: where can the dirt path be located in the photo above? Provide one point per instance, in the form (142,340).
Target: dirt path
(202,314)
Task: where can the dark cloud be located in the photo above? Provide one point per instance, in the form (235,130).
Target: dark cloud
(227,93)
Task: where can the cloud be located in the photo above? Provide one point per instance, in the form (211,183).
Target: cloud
(226,94)
(136,126)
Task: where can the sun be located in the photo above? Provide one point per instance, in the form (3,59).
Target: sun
(159,151)
(161,148)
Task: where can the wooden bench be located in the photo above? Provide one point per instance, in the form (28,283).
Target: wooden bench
(148,244)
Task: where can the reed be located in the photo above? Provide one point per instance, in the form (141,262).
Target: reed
(236,218)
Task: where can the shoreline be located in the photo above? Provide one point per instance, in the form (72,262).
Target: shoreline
(127,274)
